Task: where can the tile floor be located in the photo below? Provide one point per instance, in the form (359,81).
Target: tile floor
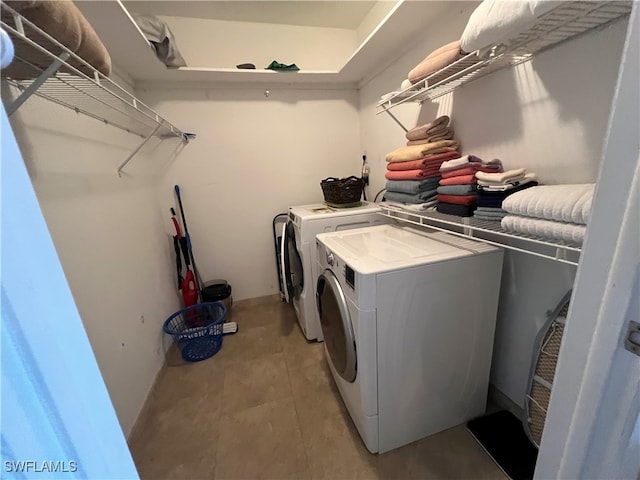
(266,407)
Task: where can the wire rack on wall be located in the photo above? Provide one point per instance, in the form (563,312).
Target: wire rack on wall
(44,67)
(568,20)
(488,232)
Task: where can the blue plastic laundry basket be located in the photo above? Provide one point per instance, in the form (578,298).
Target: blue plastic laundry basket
(197,330)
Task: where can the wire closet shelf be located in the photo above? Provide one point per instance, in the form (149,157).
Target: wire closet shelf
(564,22)
(486,231)
(44,67)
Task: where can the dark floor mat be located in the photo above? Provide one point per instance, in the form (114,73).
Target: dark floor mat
(502,435)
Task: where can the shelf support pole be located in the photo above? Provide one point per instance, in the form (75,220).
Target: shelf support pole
(43,77)
(133,154)
(397,121)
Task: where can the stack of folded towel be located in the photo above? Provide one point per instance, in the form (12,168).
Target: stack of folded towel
(458,190)
(555,212)
(413,171)
(493,188)
(434,131)
(442,57)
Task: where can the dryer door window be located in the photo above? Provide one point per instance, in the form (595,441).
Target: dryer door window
(292,272)
(336,325)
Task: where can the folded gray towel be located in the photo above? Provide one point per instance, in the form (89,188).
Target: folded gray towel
(408,198)
(457,189)
(412,186)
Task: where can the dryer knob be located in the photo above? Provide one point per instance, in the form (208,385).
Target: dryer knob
(330,258)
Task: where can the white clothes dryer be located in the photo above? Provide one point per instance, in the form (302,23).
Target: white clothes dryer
(408,318)
(298,250)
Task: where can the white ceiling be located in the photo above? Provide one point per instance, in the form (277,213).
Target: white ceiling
(336,14)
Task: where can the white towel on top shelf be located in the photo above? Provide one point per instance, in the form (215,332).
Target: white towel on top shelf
(496,21)
(549,229)
(563,203)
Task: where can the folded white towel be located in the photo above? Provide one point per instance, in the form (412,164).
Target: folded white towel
(416,207)
(549,229)
(495,21)
(457,162)
(493,187)
(501,178)
(564,203)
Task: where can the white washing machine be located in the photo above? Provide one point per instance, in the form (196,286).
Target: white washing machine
(298,250)
(408,318)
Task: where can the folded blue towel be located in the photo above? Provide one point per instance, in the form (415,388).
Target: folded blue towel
(412,186)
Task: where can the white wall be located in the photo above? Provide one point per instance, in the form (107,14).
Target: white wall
(548,115)
(225,44)
(110,238)
(253,158)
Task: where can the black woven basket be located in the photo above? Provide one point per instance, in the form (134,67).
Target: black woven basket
(342,191)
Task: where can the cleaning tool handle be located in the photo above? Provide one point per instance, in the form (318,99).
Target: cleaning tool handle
(177,227)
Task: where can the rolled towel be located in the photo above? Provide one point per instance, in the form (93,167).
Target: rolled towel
(458,199)
(412,186)
(423,131)
(415,152)
(439,58)
(501,178)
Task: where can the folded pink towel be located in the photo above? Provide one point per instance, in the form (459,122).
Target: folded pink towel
(459,180)
(417,174)
(415,152)
(423,131)
(458,199)
(470,170)
(436,60)
(423,163)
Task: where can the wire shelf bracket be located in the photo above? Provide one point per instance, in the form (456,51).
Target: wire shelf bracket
(45,67)
(566,21)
